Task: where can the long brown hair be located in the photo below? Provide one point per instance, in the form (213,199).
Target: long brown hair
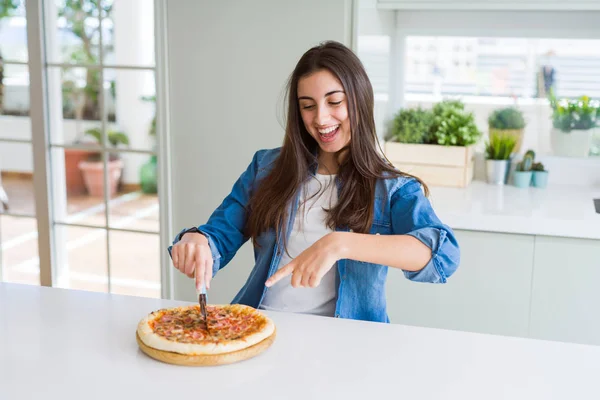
(360,163)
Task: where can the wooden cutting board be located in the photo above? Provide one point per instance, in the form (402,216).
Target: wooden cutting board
(206,360)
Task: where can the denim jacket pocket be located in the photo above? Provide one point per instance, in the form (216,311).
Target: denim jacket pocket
(382,222)
(381,228)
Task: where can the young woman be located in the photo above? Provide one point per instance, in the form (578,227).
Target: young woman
(326,212)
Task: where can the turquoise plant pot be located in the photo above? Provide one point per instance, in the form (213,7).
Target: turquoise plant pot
(540,179)
(522,179)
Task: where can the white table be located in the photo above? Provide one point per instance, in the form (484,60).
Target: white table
(63,344)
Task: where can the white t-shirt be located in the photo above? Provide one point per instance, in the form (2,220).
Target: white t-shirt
(309,226)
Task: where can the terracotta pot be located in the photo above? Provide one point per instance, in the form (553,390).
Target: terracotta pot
(93,175)
(73,175)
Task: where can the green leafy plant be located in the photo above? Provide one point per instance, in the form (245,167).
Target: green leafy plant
(152,129)
(448,104)
(506,118)
(569,114)
(8,7)
(500,146)
(115,138)
(412,126)
(80,18)
(452,125)
(1,84)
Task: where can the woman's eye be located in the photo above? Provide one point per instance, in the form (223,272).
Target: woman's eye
(307,107)
(335,103)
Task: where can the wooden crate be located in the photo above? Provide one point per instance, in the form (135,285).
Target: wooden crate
(436,165)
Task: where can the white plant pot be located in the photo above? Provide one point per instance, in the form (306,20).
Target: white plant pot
(497,171)
(571,144)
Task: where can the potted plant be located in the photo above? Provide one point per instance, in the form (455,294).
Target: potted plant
(540,175)
(522,176)
(497,153)
(437,145)
(508,120)
(573,125)
(93,167)
(412,125)
(74,99)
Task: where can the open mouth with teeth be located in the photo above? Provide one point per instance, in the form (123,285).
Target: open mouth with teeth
(328,134)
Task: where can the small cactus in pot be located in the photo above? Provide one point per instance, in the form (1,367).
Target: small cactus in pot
(523,170)
(540,175)
(538,166)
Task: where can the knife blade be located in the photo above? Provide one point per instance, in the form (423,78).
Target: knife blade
(202,302)
(201,293)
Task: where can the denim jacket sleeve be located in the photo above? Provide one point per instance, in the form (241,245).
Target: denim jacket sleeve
(225,227)
(412,214)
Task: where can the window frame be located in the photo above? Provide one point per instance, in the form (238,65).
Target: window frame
(41,119)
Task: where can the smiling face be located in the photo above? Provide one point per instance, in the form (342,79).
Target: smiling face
(324,110)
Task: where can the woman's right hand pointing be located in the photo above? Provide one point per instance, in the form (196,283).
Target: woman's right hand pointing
(192,256)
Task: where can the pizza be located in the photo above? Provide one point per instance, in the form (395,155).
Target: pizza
(182,330)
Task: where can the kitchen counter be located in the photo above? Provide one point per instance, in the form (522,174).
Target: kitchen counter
(66,344)
(558,210)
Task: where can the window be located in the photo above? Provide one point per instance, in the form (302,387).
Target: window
(101,146)
(502,67)
(488,59)
(490,72)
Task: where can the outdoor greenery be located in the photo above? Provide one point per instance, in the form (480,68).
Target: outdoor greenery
(115,138)
(80,18)
(7,9)
(78,14)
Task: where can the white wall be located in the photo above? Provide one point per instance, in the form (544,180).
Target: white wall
(228,64)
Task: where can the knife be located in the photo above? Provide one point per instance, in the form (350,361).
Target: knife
(201,293)
(202,300)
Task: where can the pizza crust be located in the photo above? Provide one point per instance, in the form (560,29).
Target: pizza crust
(207,360)
(152,340)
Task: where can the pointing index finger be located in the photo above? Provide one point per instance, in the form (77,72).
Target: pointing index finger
(277,276)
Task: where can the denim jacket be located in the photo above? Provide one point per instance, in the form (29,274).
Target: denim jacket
(400,209)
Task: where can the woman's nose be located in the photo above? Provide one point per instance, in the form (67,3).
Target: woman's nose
(322,116)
